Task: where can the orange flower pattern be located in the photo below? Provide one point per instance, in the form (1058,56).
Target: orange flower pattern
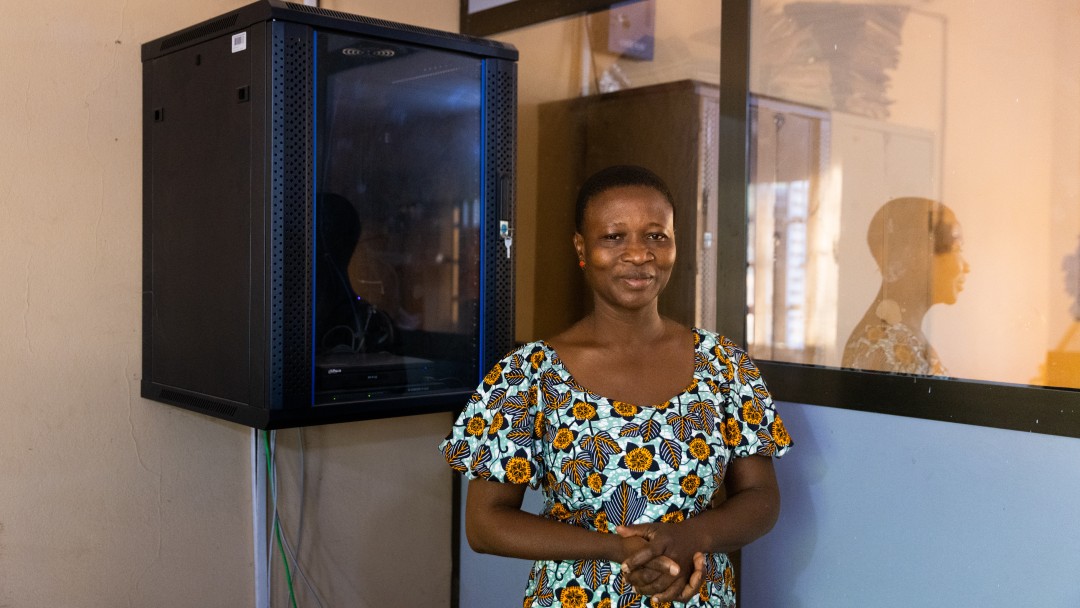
(601,463)
(892,347)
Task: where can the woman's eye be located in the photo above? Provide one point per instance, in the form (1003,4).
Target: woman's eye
(612,237)
(657,236)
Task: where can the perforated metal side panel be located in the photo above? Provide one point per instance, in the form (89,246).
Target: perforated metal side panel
(291,210)
(501,152)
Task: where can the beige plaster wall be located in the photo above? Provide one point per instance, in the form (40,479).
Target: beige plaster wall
(110,500)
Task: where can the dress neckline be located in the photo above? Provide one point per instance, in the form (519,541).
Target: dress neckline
(572,381)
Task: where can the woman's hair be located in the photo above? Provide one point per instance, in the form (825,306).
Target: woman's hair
(618,176)
(905,232)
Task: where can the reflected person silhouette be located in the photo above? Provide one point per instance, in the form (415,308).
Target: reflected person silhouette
(917,244)
(346,320)
(337,311)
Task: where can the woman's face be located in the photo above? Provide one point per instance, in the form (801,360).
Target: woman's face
(627,241)
(949,268)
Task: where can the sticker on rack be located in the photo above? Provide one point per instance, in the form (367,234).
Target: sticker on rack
(239,42)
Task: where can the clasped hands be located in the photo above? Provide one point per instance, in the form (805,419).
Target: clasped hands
(658,565)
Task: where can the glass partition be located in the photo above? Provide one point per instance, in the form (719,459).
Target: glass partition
(914,203)
(885,197)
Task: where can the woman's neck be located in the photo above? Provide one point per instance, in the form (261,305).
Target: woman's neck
(894,305)
(641,326)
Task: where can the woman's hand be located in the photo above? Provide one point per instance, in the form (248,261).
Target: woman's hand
(660,569)
(654,580)
(690,589)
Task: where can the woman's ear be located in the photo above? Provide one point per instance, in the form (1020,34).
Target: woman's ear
(579,245)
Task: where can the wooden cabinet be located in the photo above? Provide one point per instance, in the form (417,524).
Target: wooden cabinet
(669,128)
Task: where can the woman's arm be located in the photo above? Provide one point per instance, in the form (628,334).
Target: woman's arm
(495,523)
(751,509)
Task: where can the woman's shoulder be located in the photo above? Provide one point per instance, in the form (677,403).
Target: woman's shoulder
(526,348)
(715,343)
(520,370)
(534,358)
(528,354)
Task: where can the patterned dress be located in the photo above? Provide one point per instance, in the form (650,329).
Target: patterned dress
(892,347)
(601,463)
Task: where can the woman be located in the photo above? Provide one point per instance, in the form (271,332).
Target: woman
(630,423)
(917,245)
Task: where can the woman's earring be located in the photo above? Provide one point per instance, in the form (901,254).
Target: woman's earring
(581,263)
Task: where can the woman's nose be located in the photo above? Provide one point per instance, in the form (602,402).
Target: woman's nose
(637,251)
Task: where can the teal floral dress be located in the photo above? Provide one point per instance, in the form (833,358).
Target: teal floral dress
(601,463)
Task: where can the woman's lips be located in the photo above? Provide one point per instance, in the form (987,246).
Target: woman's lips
(637,280)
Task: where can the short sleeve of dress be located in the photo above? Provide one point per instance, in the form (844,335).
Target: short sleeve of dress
(751,425)
(497,435)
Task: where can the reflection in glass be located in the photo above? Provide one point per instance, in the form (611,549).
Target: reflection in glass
(858,104)
(1062,366)
(916,244)
(397,242)
(791,271)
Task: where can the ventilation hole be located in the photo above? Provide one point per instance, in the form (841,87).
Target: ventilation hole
(206,29)
(292,213)
(501,113)
(200,403)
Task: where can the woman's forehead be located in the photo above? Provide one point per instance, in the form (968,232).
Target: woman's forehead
(625,199)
